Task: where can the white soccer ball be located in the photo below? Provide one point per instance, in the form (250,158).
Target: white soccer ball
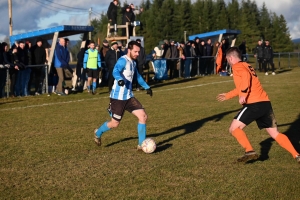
(148,145)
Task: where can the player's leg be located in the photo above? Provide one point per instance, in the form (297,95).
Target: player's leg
(246,115)
(117,111)
(283,141)
(136,108)
(236,129)
(268,122)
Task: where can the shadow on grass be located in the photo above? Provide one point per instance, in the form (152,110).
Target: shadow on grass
(155,84)
(8,102)
(293,133)
(283,71)
(188,128)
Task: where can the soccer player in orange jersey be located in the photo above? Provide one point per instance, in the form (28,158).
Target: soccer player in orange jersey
(256,107)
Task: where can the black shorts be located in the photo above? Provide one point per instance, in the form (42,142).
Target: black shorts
(92,73)
(260,112)
(118,107)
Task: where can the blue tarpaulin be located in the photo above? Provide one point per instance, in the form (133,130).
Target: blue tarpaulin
(160,69)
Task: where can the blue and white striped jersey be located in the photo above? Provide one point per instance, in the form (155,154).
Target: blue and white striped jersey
(124,69)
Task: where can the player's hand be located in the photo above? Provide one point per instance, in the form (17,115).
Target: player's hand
(221,97)
(149,91)
(242,100)
(121,83)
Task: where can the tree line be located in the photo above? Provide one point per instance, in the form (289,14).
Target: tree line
(168,19)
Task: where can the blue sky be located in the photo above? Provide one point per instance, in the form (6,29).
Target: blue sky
(31,15)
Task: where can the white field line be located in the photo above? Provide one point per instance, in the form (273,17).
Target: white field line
(80,100)
(106,97)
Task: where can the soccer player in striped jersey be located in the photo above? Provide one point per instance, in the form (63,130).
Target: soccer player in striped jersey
(121,96)
(256,107)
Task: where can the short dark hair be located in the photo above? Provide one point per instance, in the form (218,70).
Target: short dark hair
(133,43)
(234,51)
(92,42)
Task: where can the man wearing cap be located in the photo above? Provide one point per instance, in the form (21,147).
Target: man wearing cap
(172,63)
(111,57)
(104,49)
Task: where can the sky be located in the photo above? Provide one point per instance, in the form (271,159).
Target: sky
(29,15)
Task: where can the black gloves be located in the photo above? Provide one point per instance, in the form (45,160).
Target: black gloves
(149,91)
(121,83)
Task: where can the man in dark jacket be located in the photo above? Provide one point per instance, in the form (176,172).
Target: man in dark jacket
(111,57)
(209,62)
(268,58)
(128,16)
(38,58)
(80,72)
(259,54)
(24,73)
(112,14)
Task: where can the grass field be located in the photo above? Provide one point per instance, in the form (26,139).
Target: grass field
(47,149)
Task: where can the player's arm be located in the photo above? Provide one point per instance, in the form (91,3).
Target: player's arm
(143,83)
(99,61)
(85,59)
(118,69)
(245,83)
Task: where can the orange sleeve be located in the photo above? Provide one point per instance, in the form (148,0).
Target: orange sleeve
(231,94)
(245,83)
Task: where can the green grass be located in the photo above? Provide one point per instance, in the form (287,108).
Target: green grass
(47,149)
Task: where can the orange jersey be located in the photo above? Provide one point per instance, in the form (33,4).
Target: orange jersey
(246,84)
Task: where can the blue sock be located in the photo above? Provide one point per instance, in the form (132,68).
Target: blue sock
(94,86)
(102,129)
(141,132)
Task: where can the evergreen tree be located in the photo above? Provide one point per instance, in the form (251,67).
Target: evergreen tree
(233,14)
(220,16)
(265,23)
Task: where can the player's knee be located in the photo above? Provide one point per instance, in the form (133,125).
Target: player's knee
(114,124)
(143,118)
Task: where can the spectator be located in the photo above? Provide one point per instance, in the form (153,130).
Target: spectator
(242,48)
(38,58)
(104,49)
(209,61)
(187,61)
(140,62)
(92,63)
(202,52)
(128,16)
(111,57)
(159,49)
(2,73)
(112,14)
(259,54)
(181,56)
(268,58)
(7,61)
(80,71)
(136,11)
(166,47)
(23,77)
(61,61)
(194,60)
(197,46)
(219,57)
(172,63)
(14,72)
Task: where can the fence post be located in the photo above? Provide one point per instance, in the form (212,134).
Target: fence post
(198,66)
(179,71)
(7,83)
(289,60)
(279,61)
(46,79)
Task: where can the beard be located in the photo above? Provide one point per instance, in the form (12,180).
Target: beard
(133,57)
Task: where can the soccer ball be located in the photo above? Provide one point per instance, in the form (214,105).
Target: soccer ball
(148,145)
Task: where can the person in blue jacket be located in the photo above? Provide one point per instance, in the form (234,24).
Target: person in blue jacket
(121,96)
(61,61)
(92,63)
